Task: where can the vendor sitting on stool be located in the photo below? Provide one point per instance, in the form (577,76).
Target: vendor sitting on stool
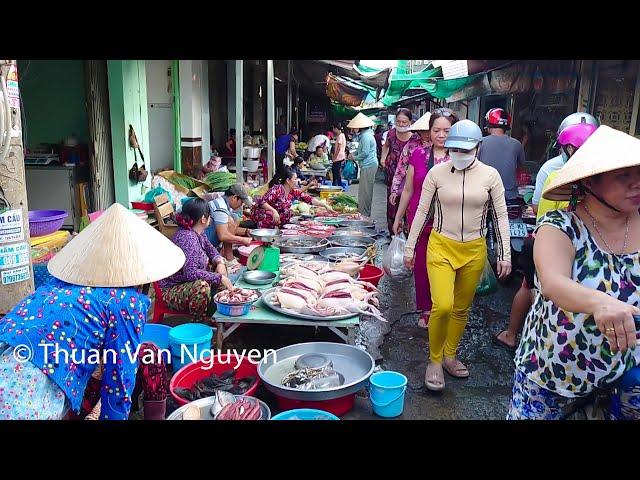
(53,340)
(319,158)
(305,184)
(226,228)
(193,286)
(274,208)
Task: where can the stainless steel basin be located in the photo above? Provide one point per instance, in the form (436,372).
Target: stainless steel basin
(354,364)
(258,277)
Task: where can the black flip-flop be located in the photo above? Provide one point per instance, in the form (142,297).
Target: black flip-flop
(496,341)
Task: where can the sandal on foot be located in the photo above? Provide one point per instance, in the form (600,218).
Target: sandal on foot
(458,370)
(423,321)
(434,379)
(501,343)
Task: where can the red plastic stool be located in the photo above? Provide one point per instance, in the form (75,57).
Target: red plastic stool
(160,308)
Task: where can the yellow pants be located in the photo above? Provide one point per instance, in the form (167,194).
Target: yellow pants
(454,271)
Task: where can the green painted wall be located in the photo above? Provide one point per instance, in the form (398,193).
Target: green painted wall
(128,105)
(53,97)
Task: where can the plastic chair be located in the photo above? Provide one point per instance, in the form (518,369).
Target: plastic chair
(160,308)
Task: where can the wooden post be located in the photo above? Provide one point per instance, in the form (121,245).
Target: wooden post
(588,83)
(15,267)
(239,121)
(271,119)
(636,103)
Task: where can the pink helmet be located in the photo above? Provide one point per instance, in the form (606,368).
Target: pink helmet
(576,134)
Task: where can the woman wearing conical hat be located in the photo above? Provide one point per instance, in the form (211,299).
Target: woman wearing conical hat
(92,312)
(580,334)
(367,159)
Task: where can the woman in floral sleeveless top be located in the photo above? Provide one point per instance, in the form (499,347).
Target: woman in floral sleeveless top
(580,333)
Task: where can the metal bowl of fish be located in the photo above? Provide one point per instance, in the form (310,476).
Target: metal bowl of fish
(219,407)
(358,223)
(350,369)
(287,258)
(336,254)
(313,360)
(237,296)
(354,232)
(267,235)
(258,277)
(347,241)
(301,244)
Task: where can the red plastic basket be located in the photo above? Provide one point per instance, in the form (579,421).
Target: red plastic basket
(146,206)
(188,375)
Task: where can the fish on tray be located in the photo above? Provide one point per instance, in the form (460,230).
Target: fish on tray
(241,409)
(324,293)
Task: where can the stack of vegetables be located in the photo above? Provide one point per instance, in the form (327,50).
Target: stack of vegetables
(184,181)
(344,203)
(220,181)
(301,208)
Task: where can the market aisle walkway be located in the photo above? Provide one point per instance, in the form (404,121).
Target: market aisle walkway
(486,394)
(403,347)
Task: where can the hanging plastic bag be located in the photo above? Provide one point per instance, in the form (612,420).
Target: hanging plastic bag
(393,261)
(350,170)
(488,282)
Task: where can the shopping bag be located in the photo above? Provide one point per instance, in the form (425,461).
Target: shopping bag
(350,170)
(488,282)
(393,261)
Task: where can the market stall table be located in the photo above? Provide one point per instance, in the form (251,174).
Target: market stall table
(260,313)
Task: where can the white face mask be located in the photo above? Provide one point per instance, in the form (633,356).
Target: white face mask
(403,129)
(462,160)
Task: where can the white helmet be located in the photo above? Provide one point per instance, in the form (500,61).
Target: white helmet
(465,135)
(576,118)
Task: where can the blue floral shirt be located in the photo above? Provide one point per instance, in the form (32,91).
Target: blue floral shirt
(81,325)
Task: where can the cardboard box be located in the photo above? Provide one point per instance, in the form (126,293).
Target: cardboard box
(170,174)
(163,209)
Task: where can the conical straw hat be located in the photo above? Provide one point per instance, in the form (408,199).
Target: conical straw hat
(360,121)
(605,150)
(117,250)
(422,123)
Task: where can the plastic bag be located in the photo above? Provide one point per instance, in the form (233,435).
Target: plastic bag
(488,282)
(393,261)
(151,194)
(350,172)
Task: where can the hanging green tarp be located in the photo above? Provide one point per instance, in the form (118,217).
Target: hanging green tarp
(401,81)
(429,80)
(442,89)
(344,111)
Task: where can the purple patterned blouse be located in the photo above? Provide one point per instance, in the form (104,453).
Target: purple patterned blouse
(198,250)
